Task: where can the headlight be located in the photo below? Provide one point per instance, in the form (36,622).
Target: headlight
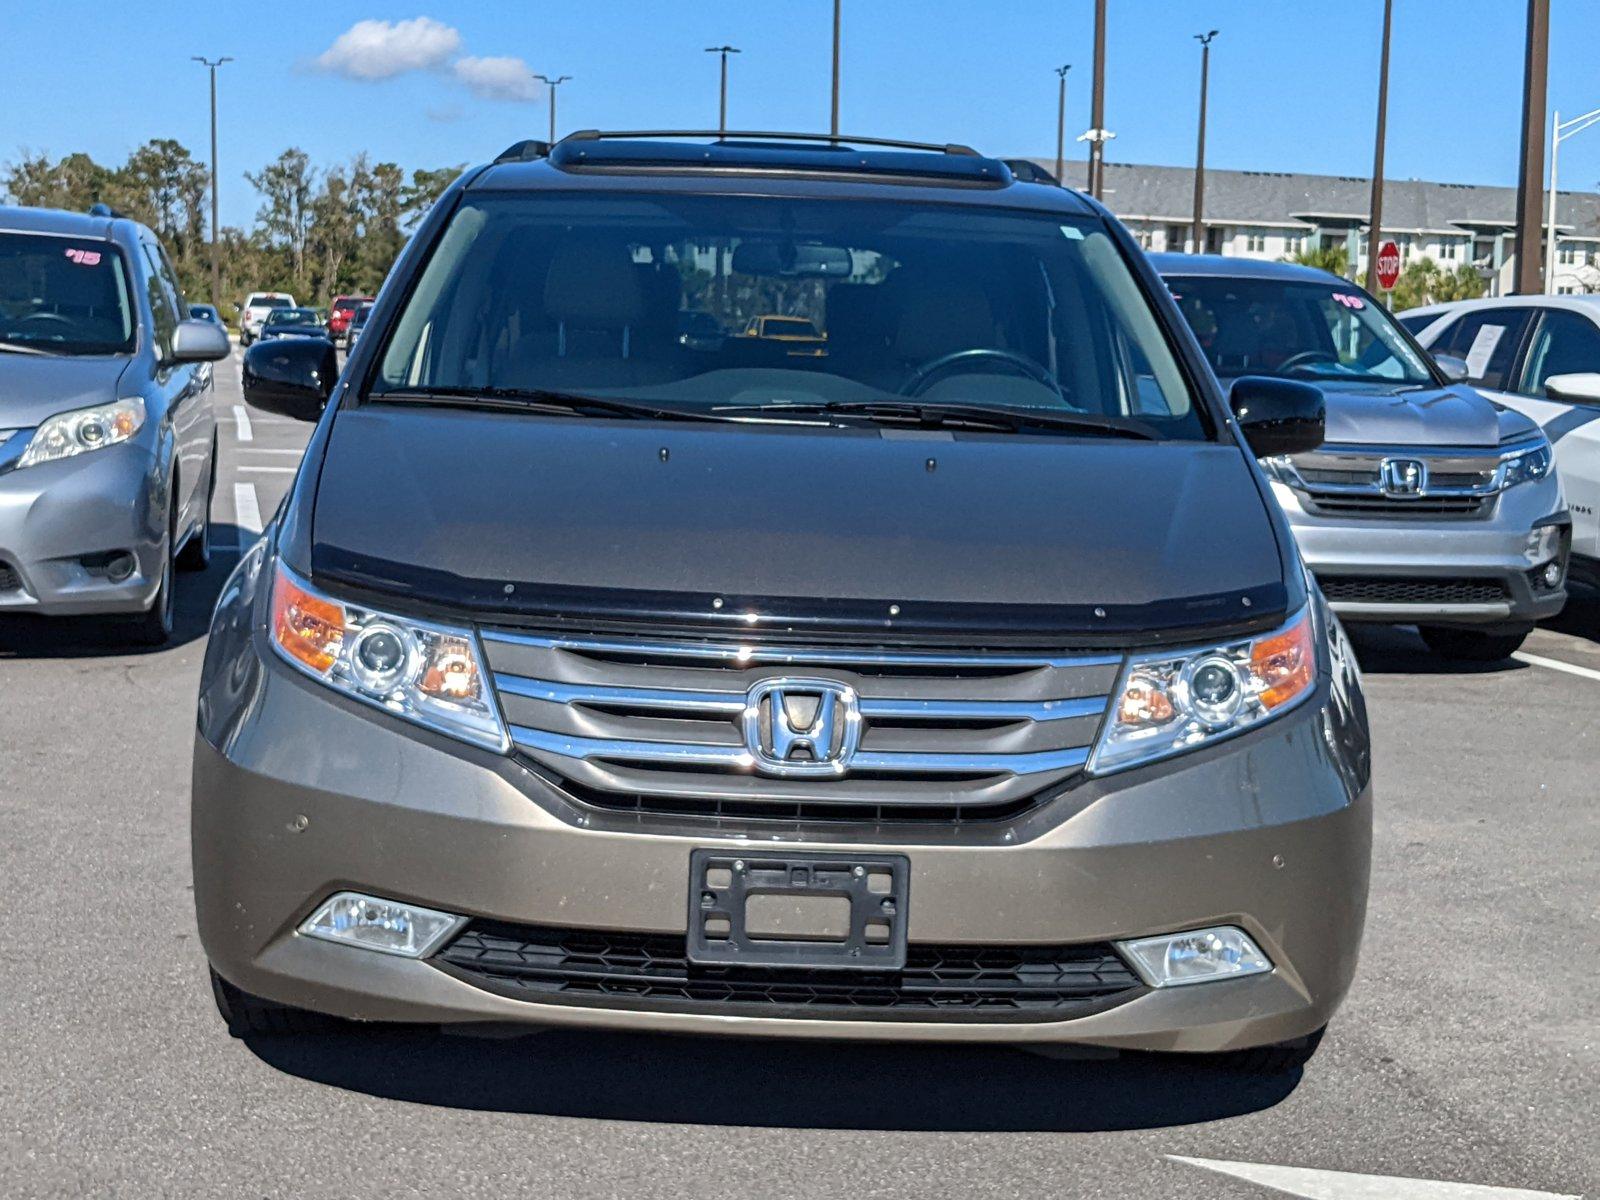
(82,430)
(1529,465)
(1172,701)
(427,673)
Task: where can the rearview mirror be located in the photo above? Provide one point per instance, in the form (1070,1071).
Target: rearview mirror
(292,377)
(1454,369)
(1278,416)
(199,341)
(1581,387)
(791,259)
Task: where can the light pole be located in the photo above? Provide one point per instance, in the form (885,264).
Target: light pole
(1061,124)
(1200,145)
(833,126)
(554,83)
(212,64)
(1560,131)
(1375,216)
(1535,72)
(722,105)
(1097,135)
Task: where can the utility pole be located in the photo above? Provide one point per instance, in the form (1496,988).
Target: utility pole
(833,126)
(1375,216)
(1535,69)
(216,231)
(1061,125)
(1097,135)
(554,83)
(1560,131)
(722,106)
(1200,144)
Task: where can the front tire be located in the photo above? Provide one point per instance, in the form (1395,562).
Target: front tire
(252,1016)
(1472,645)
(153,627)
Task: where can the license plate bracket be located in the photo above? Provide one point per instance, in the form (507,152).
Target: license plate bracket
(868,934)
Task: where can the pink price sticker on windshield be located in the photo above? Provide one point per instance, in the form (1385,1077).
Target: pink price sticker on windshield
(85,258)
(1349,300)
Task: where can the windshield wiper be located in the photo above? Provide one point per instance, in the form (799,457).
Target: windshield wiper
(546,400)
(944,416)
(19,348)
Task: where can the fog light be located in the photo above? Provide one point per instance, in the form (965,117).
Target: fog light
(382,925)
(120,567)
(1197,956)
(1552,574)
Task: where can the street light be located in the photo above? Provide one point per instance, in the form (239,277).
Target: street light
(722,106)
(833,127)
(1200,145)
(212,64)
(554,83)
(1560,131)
(1098,135)
(1061,124)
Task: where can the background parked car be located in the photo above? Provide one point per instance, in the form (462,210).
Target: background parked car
(293,322)
(1428,505)
(1541,356)
(207,312)
(107,435)
(358,322)
(339,314)
(255,309)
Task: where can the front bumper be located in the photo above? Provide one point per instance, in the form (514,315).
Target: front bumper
(298,794)
(1504,549)
(55,516)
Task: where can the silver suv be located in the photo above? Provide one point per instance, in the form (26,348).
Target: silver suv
(107,437)
(1429,505)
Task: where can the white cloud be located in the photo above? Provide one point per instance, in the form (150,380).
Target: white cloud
(371,50)
(503,78)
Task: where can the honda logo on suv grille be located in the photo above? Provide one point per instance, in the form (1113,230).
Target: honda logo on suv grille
(1402,476)
(798,727)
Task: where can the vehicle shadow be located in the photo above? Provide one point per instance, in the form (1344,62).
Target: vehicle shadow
(773,1084)
(1400,650)
(1580,618)
(23,635)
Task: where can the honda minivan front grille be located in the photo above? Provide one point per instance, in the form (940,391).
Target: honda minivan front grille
(721,728)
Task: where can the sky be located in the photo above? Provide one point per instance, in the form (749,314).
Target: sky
(1293,82)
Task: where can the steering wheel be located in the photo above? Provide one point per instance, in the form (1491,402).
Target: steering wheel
(915,385)
(1305,358)
(45,317)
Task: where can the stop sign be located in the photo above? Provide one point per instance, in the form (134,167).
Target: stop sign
(1388,266)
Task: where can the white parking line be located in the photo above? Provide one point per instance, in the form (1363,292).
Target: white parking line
(271,470)
(246,513)
(1339,1185)
(243,418)
(1555,664)
(272,450)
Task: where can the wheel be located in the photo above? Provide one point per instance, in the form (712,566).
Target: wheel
(244,338)
(1276,1059)
(1472,645)
(196,553)
(153,627)
(249,1015)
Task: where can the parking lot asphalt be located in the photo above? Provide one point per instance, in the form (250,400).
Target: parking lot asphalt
(1468,1051)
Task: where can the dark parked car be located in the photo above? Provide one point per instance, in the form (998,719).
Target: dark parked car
(207,312)
(961,684)
(293,322)
(358,322)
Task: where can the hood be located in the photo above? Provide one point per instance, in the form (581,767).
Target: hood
(33,387)
(1383,415)
(576,517)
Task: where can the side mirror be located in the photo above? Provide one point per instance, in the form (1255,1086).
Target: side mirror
(1278,416)
(199,341)
(292,377)
(1582,387)
(1454,369)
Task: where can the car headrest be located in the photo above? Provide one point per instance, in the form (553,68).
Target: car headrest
(936,321)
(593,285)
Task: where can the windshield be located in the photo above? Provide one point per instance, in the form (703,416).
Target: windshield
(64,296)
(1296,329)
(292,316)
(714,302)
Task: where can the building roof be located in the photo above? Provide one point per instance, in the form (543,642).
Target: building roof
(1291,199)
(1236,268)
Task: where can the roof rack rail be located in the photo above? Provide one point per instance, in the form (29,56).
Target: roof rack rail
(724,135)
(527,150)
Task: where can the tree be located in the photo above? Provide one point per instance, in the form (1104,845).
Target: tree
(74,183)
(1425,282)
(286,185)
(162,186)
(425,187)
(1334,258)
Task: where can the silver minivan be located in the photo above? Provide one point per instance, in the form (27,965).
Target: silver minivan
(107,436)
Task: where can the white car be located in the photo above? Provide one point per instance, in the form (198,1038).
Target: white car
(1541,356)
(255,311)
